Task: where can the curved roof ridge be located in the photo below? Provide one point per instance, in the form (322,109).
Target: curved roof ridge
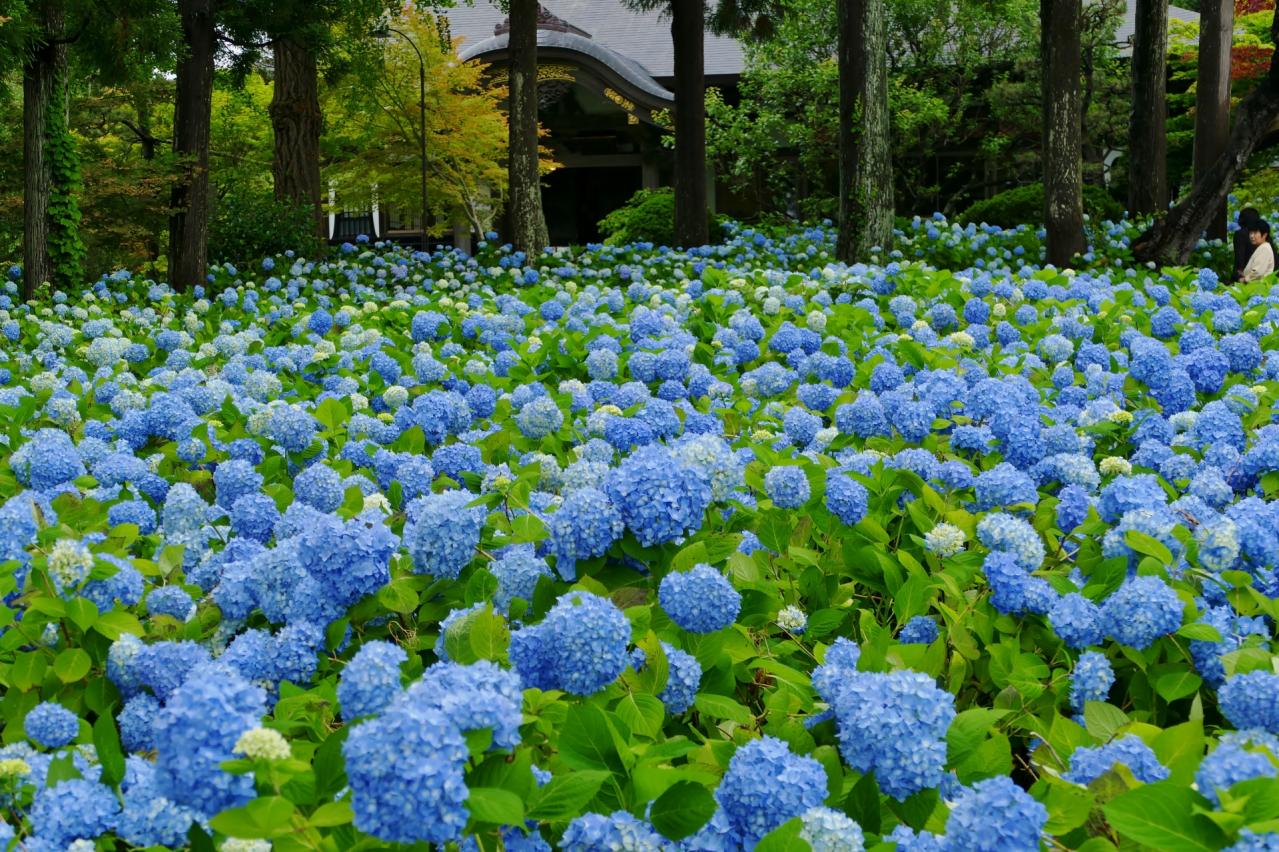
(628,69)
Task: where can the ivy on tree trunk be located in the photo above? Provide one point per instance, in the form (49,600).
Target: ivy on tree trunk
(1147,143)
(296,120)
(865,158)
(1063,157)
(192,116)
(528,224)
(688,24)
(45,58)
(66,249)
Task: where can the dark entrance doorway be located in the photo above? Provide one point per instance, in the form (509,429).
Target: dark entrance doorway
(575,199)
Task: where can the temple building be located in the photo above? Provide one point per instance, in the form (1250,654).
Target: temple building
(604,88)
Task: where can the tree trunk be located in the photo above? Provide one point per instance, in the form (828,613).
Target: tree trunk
(192,115)
(1063,162)
(43,62)
(1212,96)
(865,159)
(528,224)
(1147,144)
(1171,239)
(296,120)
(688,33)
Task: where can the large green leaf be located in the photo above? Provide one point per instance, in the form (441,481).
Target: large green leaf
(491,804)
(685,807)
(1163,817)
(564,796)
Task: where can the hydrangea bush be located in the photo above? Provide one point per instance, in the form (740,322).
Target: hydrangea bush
(625,547)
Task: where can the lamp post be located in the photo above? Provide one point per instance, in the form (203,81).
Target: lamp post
(385,32)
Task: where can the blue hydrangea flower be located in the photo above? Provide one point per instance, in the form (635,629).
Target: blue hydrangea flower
(517,568)
(846,498)
(1251,700)
(1239,756)
(619,830)
(580,647)
(1140,611)
(920,630)
(659,495)
(767,784)
(1089,764)
(406,770)
(684,676)
(442,533)
(173,601)
(1091,680)
(196,732)
(584,527)
(473,697)
(700,600)
(827,830)
(51,725)
(148,818)
(995,815)
(73,809)
(787,486)
(1076,620)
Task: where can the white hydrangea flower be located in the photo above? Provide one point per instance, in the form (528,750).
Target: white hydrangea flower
(1115,466)
(945,540)
(263,744)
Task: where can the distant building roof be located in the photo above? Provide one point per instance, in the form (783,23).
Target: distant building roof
(644,38)
(1128,26)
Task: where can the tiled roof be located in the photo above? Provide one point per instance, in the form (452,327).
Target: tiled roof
(1123,36)
(642,37)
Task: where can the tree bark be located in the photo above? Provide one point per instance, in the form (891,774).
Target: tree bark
(1171,239)
(528,224)
(192,115)
(1212,96)
(44,61)
(1063,161)
(1147,144)
(688,33)
(865,158)
(296,121)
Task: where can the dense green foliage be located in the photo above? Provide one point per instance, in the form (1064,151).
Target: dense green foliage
(1025,205)
(648,217)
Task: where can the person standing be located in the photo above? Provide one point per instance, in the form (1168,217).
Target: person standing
(1262,261)
(1244,248)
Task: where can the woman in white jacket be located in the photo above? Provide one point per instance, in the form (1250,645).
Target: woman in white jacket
(1262,262)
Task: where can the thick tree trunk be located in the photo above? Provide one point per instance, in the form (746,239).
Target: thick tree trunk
(192,115)
(865,159)
(296,120)
(1147,145)
(528,224)
(45,59)
(1063,161)
(1212,96)
(1171,239)
(688,26)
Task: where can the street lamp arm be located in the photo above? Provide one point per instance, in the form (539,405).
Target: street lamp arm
(421,105)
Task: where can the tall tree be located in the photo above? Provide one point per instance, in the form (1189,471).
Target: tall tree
(1063,156)
(1147,144)
(865,160)
(192,115)
(528,224)
(1212,96)
(297,122)
(46,61)
(688,33)
(1171,239)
